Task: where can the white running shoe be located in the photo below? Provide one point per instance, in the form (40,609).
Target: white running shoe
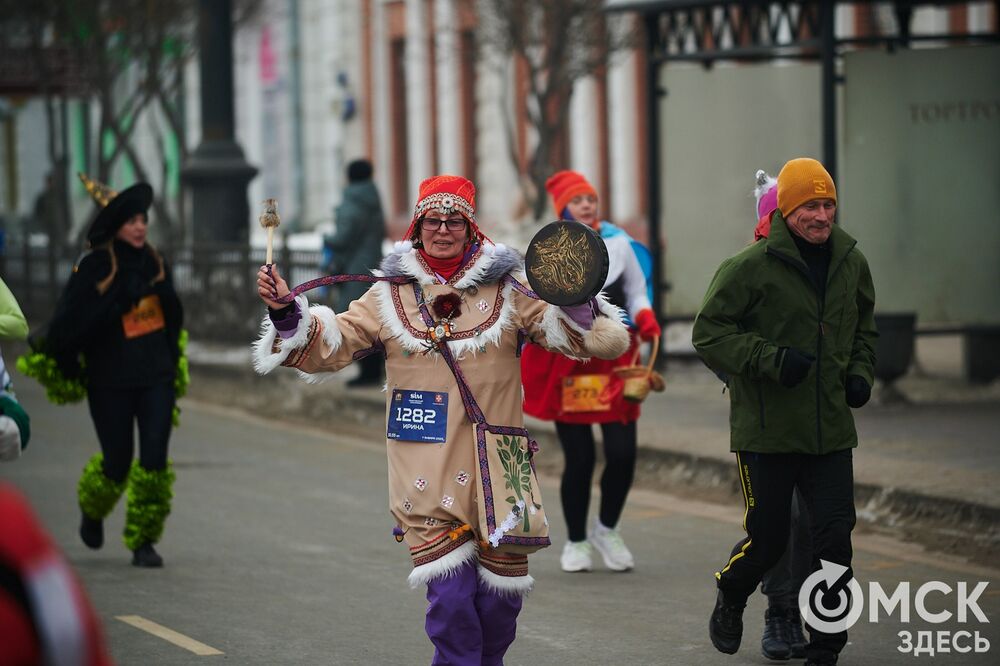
(576,556)
(612,548)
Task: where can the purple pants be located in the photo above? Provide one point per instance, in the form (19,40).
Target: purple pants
(469,624)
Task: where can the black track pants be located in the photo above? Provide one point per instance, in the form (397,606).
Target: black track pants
(826,483)
(782,582)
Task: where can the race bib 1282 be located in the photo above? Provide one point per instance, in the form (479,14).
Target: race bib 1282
(418,416)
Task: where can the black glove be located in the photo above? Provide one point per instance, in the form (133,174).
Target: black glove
(858,391)
(795,366)
(69,365)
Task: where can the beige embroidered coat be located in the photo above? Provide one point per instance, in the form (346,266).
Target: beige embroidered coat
(432,493)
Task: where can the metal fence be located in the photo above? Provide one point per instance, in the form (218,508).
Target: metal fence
(216,283)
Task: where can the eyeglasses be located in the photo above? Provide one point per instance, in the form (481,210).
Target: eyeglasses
(431,224)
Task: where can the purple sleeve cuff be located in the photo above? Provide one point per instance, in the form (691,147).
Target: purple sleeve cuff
(582,315)
(286,320)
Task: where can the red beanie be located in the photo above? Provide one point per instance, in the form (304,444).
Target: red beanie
(449,194)
(564,185)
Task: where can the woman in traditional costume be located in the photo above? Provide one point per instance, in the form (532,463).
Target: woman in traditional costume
(449,313)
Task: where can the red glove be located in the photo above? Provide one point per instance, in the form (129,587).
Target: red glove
(648,327)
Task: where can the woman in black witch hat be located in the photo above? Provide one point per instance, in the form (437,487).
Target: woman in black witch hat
(118,323)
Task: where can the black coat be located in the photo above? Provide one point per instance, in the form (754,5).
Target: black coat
(90,323)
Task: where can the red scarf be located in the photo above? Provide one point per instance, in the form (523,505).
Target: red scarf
(443,267)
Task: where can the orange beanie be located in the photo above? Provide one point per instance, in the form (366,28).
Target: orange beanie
(564,185)
(802,180)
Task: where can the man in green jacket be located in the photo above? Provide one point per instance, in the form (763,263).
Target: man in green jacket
(790,321)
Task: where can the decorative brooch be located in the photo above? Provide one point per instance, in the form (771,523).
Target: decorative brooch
(445,308)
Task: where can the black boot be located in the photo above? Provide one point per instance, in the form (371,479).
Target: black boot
(774,643)
(725,627)
(796,639)
(91,531)
(146,556)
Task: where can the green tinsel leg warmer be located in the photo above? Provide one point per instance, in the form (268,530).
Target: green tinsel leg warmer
(97,493)
(149,495)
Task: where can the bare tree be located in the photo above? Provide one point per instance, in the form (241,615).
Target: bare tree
(130,56)
(558,43)
(25,37)
(132,47)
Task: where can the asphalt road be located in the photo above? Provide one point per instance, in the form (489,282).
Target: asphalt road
(279,551)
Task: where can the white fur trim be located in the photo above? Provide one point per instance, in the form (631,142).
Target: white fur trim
(515,586)
(494,248)
(490,267)
(608,309)
(412,267)
(331,336)
(607,339)
(402,247)
(474,275)
(443,566)
(390,319)
(553,321)
(264,361)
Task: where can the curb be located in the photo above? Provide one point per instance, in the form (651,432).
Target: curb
(966,529)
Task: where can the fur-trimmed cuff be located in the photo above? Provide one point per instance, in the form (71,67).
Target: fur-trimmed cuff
(554,324)
(515,586)
(443,566)
(267,355)
(601,339)
(607,339)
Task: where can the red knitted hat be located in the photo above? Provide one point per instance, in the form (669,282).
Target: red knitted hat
(448,194)
(564,185)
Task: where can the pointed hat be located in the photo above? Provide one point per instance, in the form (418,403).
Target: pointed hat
(116,208)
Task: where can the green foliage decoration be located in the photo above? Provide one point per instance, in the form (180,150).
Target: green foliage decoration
(517,474)
(97,493)
(148,504)
(59,389)
(182,378)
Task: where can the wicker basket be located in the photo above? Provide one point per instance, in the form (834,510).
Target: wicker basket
(639,380)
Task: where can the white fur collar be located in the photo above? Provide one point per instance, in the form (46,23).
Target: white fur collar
(491,264)
(390,320)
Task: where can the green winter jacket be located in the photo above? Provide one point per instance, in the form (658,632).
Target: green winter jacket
(357,243)
(762,299)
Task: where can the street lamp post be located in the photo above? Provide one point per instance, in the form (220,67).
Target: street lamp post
(217,172)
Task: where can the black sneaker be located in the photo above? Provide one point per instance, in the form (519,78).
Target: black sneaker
(91,531)
(725,627)
(774,644)
(796,639)
(146,556)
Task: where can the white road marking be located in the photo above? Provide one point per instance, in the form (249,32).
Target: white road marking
(169,635)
